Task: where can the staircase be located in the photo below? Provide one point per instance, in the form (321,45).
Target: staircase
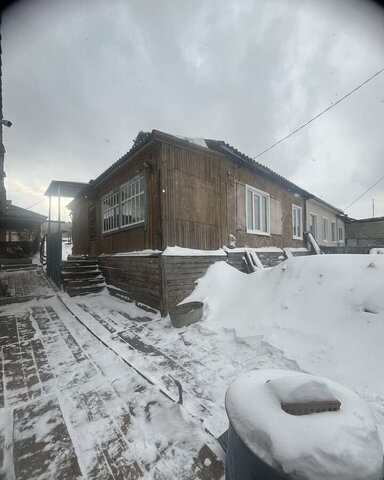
(81,275)
(16,263)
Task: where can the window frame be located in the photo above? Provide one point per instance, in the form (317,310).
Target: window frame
(297,208)
(340,238)
(260,194)
(112,193)
(325,222)
(130,183)
(333,232)
(315,234)
(119,191)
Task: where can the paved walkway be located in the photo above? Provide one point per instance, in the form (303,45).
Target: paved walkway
(70,407)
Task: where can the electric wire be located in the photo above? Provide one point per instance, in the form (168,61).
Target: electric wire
(319,114)
(362,195)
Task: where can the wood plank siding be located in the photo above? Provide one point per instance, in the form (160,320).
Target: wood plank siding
(191,205)
(203,201)
(195,198)
(138,276)
(147,235)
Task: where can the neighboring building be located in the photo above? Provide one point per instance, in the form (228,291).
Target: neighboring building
(325,222)
(366,232)
(19,228)
(197,194)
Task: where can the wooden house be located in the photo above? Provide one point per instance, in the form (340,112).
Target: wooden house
(197,194)
(192,193)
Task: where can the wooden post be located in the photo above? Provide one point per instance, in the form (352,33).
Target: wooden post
(49,214)
(59,216)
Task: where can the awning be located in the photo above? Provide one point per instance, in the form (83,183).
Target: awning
(59,188)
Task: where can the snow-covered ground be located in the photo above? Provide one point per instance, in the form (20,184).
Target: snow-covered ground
(318,314)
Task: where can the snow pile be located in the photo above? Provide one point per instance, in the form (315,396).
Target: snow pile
(200,142)
(341,445)
(326,312)
(137,253)
(190,252)
(301,388)
(377,251)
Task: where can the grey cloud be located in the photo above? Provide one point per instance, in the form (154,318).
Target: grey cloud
(80,79)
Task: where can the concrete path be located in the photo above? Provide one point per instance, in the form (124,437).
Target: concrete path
(70,407)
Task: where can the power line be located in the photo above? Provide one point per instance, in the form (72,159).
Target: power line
(27,208)
(319,114)
(370,188)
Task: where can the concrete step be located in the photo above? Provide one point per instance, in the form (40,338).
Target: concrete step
(79,262)
(84,282)
(79,268)
(73,292)
(80,274)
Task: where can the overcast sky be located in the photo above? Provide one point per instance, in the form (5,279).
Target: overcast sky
(82,77)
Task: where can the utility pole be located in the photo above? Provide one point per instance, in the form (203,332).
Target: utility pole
(3,194)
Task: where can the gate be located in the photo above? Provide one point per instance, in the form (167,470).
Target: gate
(54,246)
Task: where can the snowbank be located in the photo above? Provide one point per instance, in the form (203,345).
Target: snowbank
(137,253)
(341,445)
(377,251)
(190,252)
(326,312)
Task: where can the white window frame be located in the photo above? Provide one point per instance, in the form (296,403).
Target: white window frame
(333,232)
(133,191)
(325,231)
(107,205)
(316,232)
(297,213)
(340,238)
(125,192)
(258,193)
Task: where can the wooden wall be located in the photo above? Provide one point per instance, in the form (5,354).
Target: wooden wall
(195,199)
(179,276)
(192,206)
(203,201)
(138,276)
(144,236)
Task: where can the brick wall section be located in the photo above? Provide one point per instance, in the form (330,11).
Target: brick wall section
(366,232)
(138,276)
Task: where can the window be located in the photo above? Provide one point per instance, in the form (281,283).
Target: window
(333,231)
(325,229)
(124,207)
(341,234)
(297,222)
(313,224)
(132,202)
(110,209)
(257,207)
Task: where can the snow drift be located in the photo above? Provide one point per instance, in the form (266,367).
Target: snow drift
(326,312)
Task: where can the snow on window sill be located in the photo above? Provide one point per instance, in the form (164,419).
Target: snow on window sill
(259,232)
